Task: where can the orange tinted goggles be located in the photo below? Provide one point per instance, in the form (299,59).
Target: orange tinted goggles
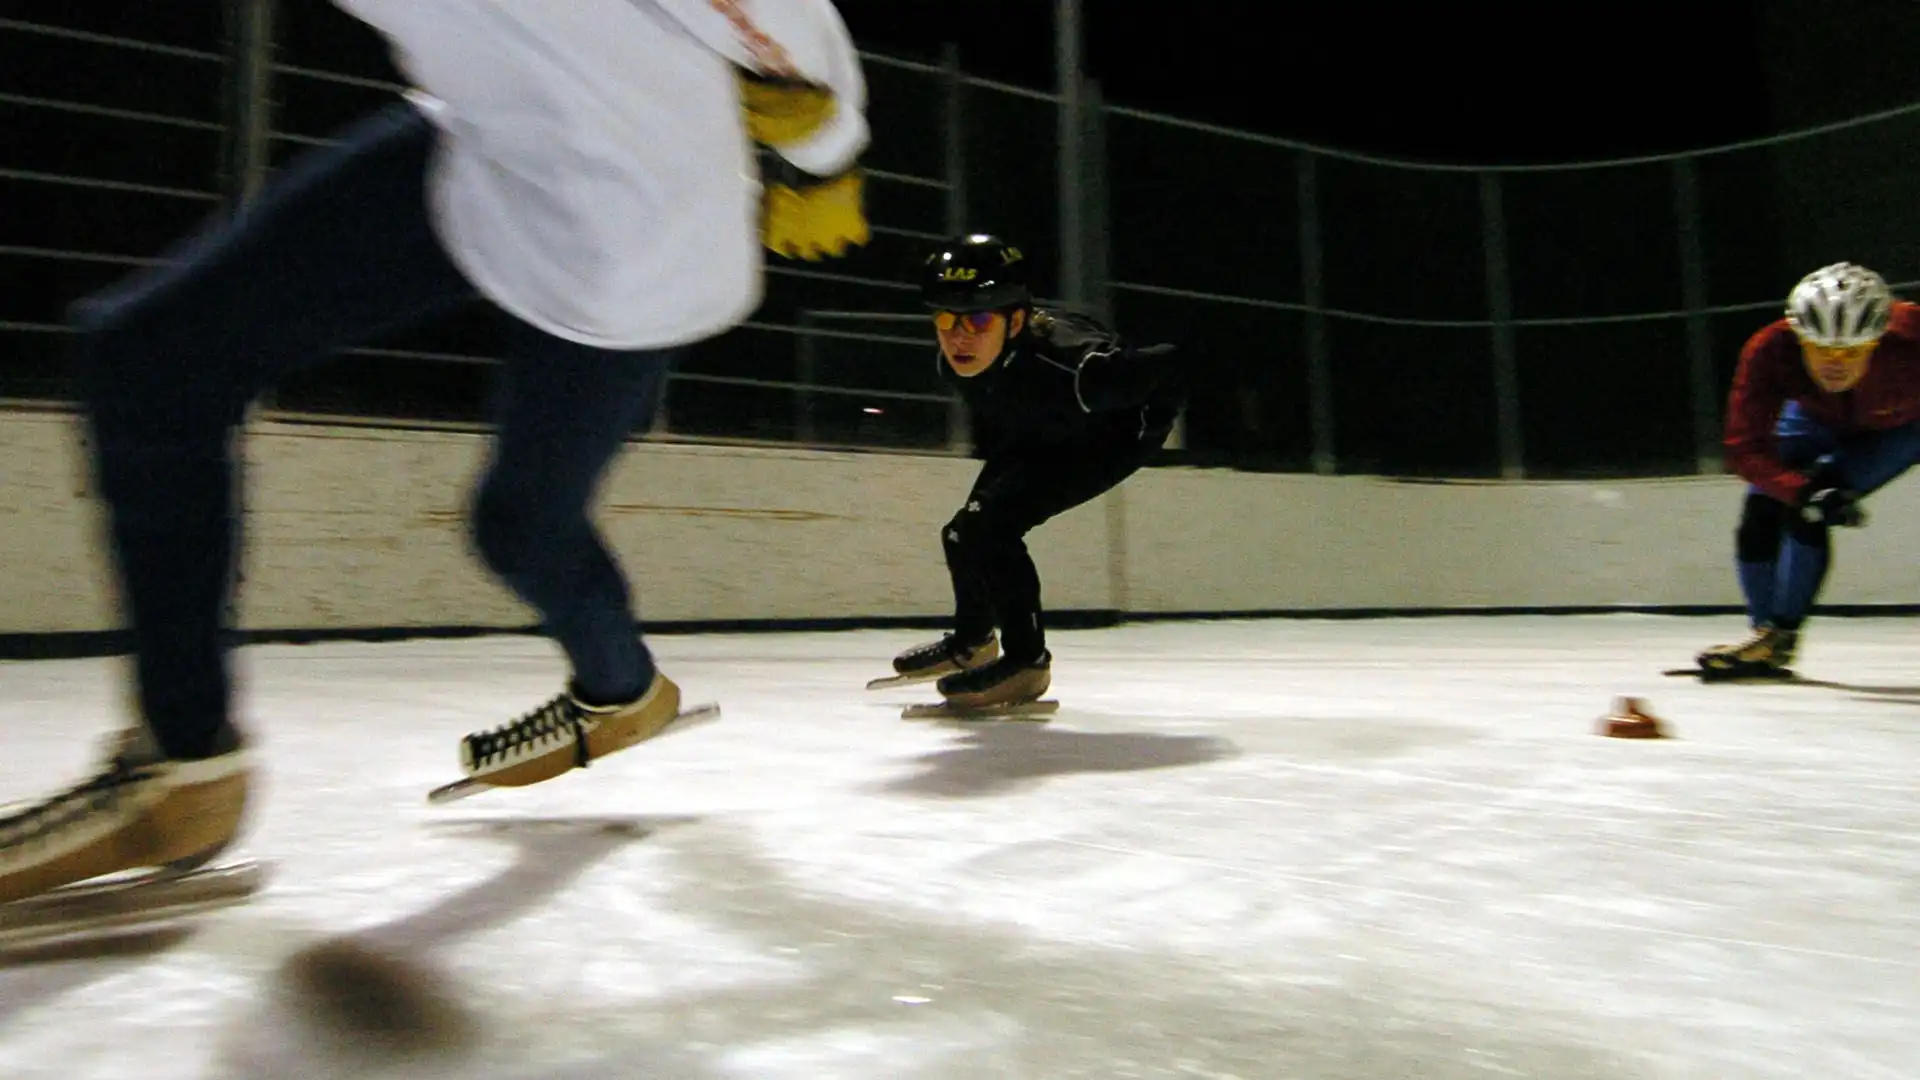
(977,321)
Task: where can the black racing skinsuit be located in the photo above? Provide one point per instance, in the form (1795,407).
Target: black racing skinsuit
(1066,413)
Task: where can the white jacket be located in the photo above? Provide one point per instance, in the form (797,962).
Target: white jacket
(595,177)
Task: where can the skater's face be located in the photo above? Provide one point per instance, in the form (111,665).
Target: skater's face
(971,342)
(1837,369)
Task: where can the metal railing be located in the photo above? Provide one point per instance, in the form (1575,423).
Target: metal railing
(1351,312)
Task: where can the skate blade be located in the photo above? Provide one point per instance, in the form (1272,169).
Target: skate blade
(1012,711)
(1705,676)
(891,681)
(467,787)
(131,902)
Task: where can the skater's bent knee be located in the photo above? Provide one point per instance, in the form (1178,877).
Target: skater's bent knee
(1762,520)
(1811,534)
(104,332)
(956,532)
(119,314)
(970,531)
(518,535)
(92,316)
(122,350)
(984,524)
(500,529)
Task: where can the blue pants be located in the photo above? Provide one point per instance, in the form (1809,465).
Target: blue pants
(1783,565)
(338,249)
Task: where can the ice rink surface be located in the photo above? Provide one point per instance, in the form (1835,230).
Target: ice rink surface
(1316,849)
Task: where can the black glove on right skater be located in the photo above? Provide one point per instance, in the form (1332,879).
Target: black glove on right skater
(1832,506)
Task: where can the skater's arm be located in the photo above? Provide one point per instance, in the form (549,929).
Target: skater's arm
(1106,372)
(1758,395)
(1119,376)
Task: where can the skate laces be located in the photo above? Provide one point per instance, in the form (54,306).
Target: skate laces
(1765,645)
(555,721)
(102,792)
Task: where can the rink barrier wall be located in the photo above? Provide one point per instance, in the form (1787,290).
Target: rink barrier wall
(360,533)
(83,644)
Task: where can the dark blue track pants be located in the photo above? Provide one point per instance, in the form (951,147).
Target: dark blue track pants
(338,249)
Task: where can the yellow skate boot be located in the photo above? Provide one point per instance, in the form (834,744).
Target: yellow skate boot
(567,733)
(142,811)
(1767,654)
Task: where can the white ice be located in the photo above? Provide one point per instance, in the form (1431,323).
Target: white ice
(1325,849)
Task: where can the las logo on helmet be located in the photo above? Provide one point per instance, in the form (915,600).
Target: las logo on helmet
(967,273)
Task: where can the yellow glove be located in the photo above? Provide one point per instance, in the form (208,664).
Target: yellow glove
(815,221)
(783,112)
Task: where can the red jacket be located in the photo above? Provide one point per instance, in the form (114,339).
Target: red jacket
(1771,373)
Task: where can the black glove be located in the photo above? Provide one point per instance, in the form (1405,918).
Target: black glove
(1832,506)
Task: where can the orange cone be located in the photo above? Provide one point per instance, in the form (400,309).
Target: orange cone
(1631,720)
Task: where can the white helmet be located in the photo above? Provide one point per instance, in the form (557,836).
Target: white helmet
(1840,306)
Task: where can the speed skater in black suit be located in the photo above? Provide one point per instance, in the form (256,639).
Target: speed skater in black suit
(1063,410)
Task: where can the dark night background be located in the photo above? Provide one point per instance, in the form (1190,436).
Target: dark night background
(1187,210)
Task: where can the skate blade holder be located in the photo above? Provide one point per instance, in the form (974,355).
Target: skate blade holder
(1019,710)
(1631,720)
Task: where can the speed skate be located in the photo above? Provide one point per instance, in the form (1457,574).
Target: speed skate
(127,902)
(466,787)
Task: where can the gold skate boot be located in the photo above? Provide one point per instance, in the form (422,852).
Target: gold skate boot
(564,734)
(142,811)
(1767,654)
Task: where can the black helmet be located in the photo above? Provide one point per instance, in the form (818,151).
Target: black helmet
(975,273)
